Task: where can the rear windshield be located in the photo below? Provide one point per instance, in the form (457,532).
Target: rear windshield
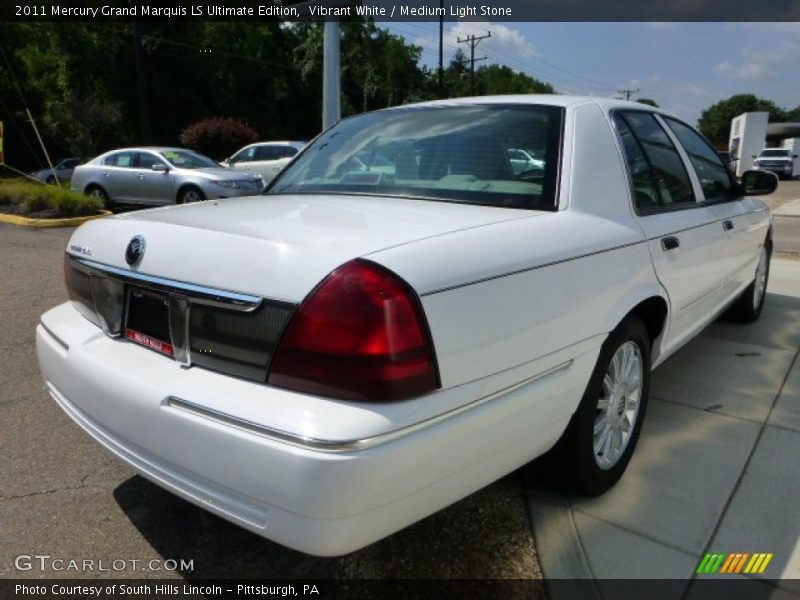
(493,155)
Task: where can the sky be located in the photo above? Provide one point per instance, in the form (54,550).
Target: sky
(684,67)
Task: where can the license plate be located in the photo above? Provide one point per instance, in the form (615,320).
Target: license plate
(148,320)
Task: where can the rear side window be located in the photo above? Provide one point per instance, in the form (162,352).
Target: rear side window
(669,186)
(712,173)
(119,159)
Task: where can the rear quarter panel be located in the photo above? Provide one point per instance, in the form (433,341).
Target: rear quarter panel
(511,293)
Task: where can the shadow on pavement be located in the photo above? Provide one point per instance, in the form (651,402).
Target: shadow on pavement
(179,530)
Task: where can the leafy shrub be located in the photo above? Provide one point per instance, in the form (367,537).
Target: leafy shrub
(31,197)
(34,203)
(218,136)
(69,204)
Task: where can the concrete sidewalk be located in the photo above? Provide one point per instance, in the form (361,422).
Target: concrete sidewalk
(717,468)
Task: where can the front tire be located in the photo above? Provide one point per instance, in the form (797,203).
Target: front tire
(747,308)
(190,194)
(602,435)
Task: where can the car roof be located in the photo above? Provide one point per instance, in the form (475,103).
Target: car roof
(279,143)
(150,149)
(607,104)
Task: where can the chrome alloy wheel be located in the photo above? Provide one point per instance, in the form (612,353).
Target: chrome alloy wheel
(618,405)
(760,284)
(191,195)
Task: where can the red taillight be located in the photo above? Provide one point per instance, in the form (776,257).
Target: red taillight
(360,335)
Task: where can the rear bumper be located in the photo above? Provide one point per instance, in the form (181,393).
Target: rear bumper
(323,501)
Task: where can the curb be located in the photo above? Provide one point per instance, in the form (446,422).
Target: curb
(559,550)
(48,223)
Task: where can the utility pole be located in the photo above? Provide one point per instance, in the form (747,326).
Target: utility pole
(628,93)
(441,48)
(473,42)
(141,79)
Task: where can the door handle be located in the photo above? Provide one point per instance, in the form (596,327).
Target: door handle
(727,225)
(106,174)
(670,243)
(140,175)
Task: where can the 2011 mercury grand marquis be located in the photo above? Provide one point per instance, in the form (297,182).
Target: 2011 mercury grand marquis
(360,347)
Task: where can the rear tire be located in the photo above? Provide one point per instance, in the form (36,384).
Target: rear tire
(95,191)
(747,307)
(598,444)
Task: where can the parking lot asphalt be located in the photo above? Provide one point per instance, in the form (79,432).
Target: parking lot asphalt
(715,469)
(64,496)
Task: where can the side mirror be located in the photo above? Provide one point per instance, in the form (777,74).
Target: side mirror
(160,168)
(794,155)
(759,183)
(754,156)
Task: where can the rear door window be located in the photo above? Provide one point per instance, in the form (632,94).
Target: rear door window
(268,153)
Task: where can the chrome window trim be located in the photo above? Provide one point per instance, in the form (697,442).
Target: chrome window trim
(199,294)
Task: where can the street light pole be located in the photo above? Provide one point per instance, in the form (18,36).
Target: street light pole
(331,76)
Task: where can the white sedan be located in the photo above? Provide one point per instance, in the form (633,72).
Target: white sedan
(265,158)
(363,346)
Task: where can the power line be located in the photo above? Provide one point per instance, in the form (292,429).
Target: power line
(628,93)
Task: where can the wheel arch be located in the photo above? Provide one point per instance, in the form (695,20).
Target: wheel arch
(185,186)
(651,305)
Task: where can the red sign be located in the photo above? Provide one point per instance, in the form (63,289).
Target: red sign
(150,342)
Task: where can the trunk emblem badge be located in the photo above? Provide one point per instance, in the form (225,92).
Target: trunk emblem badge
(135,250)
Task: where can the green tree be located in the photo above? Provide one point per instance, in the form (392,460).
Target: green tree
(500,79)
(793,116)
(715,122)
(648,102)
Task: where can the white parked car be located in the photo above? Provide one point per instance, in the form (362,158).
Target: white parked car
(522,160)
(335,361)
(265,158)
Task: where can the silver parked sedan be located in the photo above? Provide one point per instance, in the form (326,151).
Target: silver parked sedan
(156,176)
(62,169)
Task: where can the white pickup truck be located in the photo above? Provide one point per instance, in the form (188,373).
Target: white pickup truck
(781,161)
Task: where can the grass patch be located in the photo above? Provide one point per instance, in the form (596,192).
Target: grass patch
(22,197)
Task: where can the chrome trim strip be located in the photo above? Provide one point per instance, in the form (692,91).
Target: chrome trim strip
(532,268)
(200,294)
(700,296)
(323,445)
(58,340)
